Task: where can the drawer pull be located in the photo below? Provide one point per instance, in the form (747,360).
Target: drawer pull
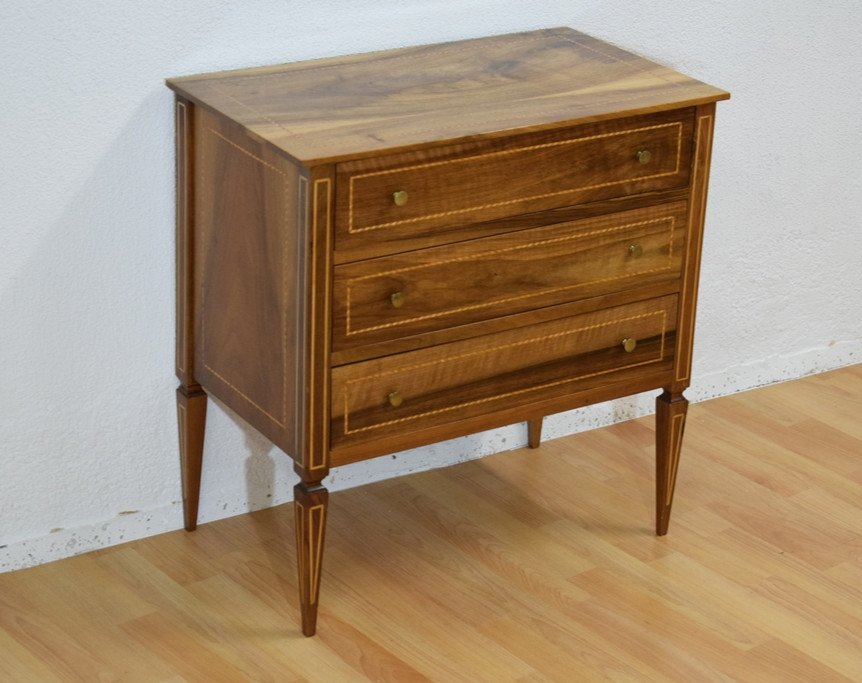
(397,299)
(400,197)
(636,250)
(395,399)
(629,344)
(643,155)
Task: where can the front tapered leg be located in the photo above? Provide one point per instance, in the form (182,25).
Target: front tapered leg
(310,501)
(191,416)
(670,422)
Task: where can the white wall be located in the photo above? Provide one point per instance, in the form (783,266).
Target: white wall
(87,424)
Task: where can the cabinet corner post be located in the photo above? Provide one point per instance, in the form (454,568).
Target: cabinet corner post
(191,398)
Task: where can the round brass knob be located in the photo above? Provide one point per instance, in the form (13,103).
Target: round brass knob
(636,250)
(644,155)
(629,344)
(400,197)
(397,299)
(395,399)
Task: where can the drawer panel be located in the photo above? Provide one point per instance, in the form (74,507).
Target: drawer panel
(450,187)
(432,386)
(423,291)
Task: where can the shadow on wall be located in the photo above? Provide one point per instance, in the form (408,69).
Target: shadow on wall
(259,467)
(87,342)
(86,338)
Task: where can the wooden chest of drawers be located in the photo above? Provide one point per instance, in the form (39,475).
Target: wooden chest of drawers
(381,251)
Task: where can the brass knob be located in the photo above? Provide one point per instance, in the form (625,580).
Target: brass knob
(629,344)
(395,399)
(636,250)
(643,155)
(397,299)
(400,197)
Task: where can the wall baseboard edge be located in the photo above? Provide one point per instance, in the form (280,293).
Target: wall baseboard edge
(125,527)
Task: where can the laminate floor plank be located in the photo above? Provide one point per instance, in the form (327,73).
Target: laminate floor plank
(18,663)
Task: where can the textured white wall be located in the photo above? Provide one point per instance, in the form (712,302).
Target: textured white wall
(87,434)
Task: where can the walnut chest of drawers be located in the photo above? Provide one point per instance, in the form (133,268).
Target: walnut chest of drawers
(381,251)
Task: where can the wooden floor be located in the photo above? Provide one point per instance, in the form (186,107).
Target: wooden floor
(525,566)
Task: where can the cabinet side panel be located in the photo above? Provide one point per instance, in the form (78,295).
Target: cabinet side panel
(249,254)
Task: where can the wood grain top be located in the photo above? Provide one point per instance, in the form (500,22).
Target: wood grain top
(343,108)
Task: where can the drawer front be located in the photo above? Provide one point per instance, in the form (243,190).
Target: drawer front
(511,177)
(431,289)
(441,384)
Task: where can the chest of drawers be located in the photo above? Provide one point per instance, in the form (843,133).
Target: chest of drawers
(381,251)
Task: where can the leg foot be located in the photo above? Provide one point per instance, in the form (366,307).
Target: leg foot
(670,422)
(534,431)
(191,415)
(310,501)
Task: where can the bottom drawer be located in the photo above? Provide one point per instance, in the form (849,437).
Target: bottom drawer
(433,386)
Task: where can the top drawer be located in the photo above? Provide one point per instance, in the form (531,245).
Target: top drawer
(429,193)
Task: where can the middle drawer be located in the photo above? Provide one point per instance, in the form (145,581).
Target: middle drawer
(432,289)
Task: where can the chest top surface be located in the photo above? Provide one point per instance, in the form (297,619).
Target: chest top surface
(342,108)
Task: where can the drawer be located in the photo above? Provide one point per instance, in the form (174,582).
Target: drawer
(431,289)
(441,189)
(441,384)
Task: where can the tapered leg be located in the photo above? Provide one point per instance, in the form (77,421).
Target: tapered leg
(670,423)
(191,415)
(534,432)
(310,501)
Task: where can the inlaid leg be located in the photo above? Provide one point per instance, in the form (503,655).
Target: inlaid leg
(534,431)
(191,416)
(310,501)
(670,423)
